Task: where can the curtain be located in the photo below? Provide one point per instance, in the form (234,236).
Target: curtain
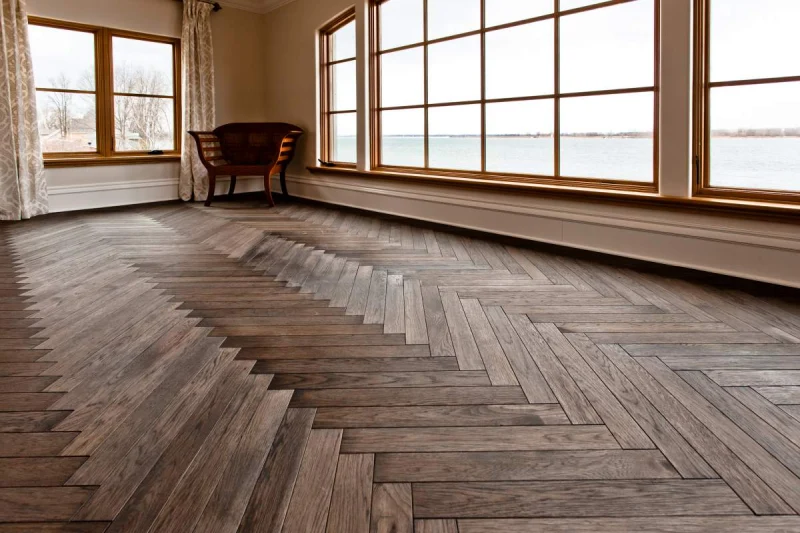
(198,95)
(23,191)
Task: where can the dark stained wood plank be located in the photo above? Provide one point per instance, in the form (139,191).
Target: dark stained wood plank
(333,352)
(683,524)
(376,299)
(315,340)
(352,495)
(309,506)
(271,494)
(435,526)
(55,527)
(38,471)
(407,397)
(477,439)
(576,498)
(356,380)
(357,304)
(366,364)
(28,401)
(32,421)
(392,509)
(30,504)
(228,502)
(440,416)
(522,466)
(34,444)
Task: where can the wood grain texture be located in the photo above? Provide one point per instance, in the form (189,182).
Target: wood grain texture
(311,368)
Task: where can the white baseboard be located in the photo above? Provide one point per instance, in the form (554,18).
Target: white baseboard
(113,194)
(760,251)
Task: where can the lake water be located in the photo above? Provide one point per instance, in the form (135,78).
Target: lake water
(747,163)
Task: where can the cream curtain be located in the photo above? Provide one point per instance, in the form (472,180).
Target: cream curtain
(23,191)
(198,95)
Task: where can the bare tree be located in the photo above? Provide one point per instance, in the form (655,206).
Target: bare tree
(60,106)
(140,120)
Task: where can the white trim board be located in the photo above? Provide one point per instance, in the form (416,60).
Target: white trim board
(119,193)
(729,247)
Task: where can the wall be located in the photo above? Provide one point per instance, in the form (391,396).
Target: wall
(240,78)
(765,250)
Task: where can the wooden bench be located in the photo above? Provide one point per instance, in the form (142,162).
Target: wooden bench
(247,149)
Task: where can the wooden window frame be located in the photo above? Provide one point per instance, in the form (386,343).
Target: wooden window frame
(326,64)
(106,153)
(702,124)
(557,179)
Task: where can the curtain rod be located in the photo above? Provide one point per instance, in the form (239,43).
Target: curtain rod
(216,5)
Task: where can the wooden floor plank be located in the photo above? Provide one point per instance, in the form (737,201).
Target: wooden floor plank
(692,524)
(575,498)
(392,509)
(351,500)
(522,466)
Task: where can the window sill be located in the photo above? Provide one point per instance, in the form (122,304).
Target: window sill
(614,196)
(109,161)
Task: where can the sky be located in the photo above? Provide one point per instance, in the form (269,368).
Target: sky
(607,48)
(71,53)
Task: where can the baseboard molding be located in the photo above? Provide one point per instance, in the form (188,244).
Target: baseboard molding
(727,247)
(65,198)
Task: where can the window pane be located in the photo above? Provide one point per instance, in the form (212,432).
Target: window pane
(454,70)
(608,137)
(504,11)
(401,23)
(455,137)
(403,78)
(754,39)
(67,122)
(343,42)
(608,48)
(519,137)
(451,17)
(62,59)
(519,61)
(564,5)
(142,67)
(403,138)
(143,124)
(755,137)
(344,137)
(344,86)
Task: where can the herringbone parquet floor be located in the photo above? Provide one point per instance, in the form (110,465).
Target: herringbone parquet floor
(310,369)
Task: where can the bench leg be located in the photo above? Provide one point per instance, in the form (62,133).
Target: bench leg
(284,192)
(212,186)
(268,190)
(232,188)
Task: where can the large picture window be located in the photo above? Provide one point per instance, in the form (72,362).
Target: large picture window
(540,90)
(338,90)
(748,100)
(105,94)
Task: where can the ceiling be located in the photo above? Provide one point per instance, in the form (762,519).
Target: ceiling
(256,6)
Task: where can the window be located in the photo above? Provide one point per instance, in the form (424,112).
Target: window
(553,91)
(338,96)
(748,99)
(103,93)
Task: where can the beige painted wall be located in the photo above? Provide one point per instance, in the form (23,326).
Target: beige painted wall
(238,63)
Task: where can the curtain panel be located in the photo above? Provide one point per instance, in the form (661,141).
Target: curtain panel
(23,190)
(198,95)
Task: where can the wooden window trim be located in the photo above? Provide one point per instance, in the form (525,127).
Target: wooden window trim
(375,123)
(701,184)
(106,153)
(326,89)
